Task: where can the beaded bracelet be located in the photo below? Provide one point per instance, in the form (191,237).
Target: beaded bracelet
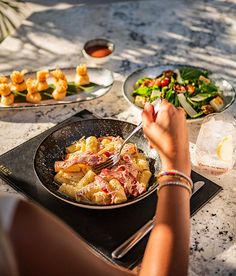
(176,178)
(175,183)
(177,174)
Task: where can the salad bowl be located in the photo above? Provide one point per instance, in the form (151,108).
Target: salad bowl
(210,89)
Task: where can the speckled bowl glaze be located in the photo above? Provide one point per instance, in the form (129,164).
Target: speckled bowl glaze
(53,149)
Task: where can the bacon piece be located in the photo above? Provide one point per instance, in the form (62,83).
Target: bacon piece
(87,159)
(127,176)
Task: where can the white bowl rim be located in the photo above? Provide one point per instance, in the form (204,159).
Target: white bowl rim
(177,65)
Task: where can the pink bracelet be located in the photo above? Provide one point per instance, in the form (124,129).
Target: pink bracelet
(177,174)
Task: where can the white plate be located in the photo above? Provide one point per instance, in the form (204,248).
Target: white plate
(103,79)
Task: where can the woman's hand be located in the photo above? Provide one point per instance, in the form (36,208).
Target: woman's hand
(167,133)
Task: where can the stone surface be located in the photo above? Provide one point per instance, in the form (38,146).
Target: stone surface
(200,33)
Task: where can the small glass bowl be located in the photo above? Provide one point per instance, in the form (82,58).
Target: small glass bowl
(98,50)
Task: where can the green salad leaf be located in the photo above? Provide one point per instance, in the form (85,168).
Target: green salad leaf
(193,74)
(208,88)
(143,91)
(187,87)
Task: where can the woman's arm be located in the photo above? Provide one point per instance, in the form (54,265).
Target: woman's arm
(44,245)
(168,246)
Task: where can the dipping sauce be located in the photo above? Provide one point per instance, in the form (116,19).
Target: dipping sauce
(98,51)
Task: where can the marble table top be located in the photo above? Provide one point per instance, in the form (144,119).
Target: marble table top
(200,33)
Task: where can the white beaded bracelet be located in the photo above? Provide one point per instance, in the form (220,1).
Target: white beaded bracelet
(175,183)
(175,173)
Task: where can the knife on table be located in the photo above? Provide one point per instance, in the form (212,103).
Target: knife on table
(125,247)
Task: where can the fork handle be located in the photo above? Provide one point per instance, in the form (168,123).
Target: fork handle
(138,127)
(135,238)
(156,104)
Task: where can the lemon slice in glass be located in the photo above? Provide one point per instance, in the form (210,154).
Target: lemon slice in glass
(224,149)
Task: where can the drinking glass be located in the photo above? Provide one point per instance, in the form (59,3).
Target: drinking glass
(216,143)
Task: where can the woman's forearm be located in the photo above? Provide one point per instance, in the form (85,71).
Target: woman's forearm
(168,246)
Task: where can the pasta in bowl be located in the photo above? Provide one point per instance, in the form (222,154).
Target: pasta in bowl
(64,162)
(128,179)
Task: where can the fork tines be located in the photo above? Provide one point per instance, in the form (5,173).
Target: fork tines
(110,162)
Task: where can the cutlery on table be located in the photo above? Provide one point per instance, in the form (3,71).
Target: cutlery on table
(125,247)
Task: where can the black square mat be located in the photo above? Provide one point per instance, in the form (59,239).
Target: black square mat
(103,230)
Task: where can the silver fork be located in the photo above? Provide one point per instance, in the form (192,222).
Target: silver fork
(114,159)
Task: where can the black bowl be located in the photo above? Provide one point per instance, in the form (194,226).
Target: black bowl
(53,149)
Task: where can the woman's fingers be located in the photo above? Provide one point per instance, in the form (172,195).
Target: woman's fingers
(148,114)
(181,110)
